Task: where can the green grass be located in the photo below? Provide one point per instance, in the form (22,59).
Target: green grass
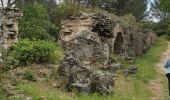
(38,90)
(136,87)
(146,63)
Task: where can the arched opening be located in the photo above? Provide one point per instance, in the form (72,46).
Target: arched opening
(131,46)
(118,44)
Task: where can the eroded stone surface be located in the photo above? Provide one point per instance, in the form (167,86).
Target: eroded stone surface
(89,41)
(9,26)
(84,78)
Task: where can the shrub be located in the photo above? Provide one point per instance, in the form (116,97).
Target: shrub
(168,32)
(35,51)
(35,23)
(29,76)
(64,10)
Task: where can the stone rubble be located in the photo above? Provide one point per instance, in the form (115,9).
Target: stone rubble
(84,78)
(131,70)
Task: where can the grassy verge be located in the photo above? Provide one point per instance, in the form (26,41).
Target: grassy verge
(38,91)
(136,87)
(146,63)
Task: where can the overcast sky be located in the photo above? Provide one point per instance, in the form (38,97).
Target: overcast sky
(149,4)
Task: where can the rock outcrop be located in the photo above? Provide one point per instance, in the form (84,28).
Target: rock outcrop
(90,40)
(85,78)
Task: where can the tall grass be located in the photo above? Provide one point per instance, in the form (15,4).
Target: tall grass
(146,64)
(38,91)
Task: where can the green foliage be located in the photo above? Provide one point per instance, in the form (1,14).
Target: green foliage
(161,9)
(29,76)
(165,5)
(64,10)
(35,23)
(36,51)
(119,7)
(36,91)
(168,31)
(128,20)
(135,7)
(148,24)
(159,27)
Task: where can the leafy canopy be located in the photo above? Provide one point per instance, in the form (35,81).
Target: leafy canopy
(35,23)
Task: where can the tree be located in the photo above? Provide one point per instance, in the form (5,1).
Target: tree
(119,7)
(160,10)
(165,5)
(35,23)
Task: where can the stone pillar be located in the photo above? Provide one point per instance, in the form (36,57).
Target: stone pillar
(9,27)
(9,18)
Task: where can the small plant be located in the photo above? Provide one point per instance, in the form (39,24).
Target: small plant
(115,58)
(36,51)
(29,76)
(64,10)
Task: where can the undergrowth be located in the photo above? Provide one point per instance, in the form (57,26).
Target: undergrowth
(146,64)
(134,87)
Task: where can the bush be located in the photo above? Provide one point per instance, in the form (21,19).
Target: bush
(64,10)
(29,76)
(35,51)
(168,31)
(35,24)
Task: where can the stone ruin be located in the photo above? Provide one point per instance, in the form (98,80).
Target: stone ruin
(89,42)
(9,26)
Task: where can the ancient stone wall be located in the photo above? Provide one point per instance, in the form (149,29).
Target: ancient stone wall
(9,26)
(90,40)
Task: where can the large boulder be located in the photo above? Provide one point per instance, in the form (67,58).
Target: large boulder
(84,78)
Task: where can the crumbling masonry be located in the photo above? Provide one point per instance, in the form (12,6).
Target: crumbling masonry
(89,41)
(9,26)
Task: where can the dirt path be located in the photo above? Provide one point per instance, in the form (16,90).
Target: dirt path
(156,85)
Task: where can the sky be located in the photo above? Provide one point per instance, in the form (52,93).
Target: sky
(149,4)
(148,7)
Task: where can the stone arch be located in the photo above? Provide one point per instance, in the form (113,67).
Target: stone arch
(131,46)
(118,44)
